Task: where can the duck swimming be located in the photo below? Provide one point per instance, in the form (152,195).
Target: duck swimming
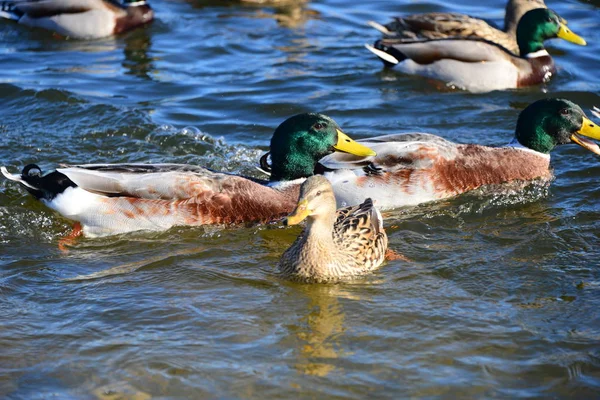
(108,199)
(478,65)
(441,25)
(334,245)
(415,168)
(79,19)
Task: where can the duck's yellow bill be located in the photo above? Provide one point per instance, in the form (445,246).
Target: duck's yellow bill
(591,130)
(348,145)
(568,35)
(299,214)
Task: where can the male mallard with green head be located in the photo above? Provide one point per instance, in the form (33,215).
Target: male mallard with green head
(334,244)
(117,198)
(415,168)
(441,25)
(480,66)
(79,19)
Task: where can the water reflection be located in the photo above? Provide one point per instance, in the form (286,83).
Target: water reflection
(319,330)
(137,62)
(287,13)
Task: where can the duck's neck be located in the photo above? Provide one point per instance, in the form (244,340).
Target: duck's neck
(320,230)
(531,135)
(531,47)
(292,164)
(291,170)
(318,243)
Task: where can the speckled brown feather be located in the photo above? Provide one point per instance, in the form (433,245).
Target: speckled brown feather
(450,25)
(358,231)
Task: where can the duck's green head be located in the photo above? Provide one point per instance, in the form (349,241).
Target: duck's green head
(548,123)
(302,140)
(539,25)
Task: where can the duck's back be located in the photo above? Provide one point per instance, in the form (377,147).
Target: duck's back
(449,25)
(358,233)
(412,169)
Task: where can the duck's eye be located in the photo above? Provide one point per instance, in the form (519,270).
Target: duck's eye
(319,193)
(565,111)
(318,126)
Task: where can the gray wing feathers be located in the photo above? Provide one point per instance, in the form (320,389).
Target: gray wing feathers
(426,52)
(166,181)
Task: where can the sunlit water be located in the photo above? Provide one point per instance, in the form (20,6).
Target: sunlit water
(501,294)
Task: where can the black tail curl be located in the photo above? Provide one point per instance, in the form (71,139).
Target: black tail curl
(45,186)
(391,50)
(9,10)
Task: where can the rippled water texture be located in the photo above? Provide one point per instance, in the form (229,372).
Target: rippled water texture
(500,298)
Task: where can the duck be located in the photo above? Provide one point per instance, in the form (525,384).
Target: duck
(442,25)
(478,65)
(334,245)
(79,19)
(416,168)
(109,199)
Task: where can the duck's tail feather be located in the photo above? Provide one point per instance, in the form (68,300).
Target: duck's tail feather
(376,218)
(8,10)
(40,186)
(388,54)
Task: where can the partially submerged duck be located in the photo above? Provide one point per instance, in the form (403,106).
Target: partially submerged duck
(478,65)
(79,19)
(117,198)
(334,245)
(415,168)
(441,25)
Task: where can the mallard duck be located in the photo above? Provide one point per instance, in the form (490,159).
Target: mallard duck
(440,25)
(334,245)
(415,168)
(109,199)
(477,65)
(79,19)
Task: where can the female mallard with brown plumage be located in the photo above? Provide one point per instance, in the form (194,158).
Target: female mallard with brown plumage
(477,65)
(334,244)
(441,25)
(79,19)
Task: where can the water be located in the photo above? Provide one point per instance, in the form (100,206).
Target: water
(500,298)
